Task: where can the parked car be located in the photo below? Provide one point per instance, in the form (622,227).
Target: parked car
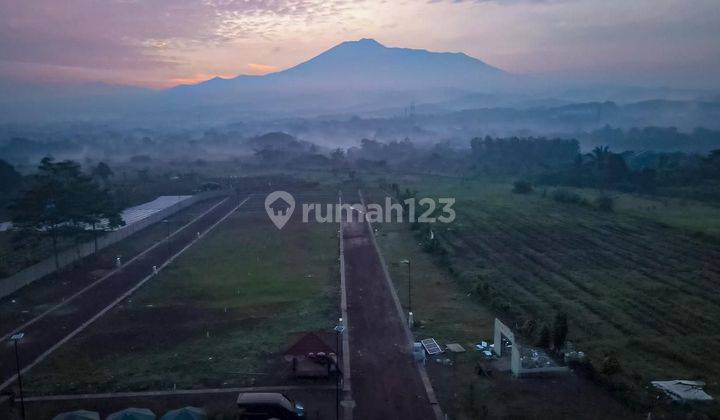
(268,405)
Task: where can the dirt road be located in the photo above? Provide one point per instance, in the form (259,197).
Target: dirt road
(386,383)
(48,332)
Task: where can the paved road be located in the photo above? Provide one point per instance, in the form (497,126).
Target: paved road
(44,334)
(386,383)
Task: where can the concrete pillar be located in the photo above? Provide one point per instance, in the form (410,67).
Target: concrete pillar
(515,360)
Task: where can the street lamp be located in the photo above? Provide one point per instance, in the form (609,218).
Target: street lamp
(15,338)
(410,313)
(339,328)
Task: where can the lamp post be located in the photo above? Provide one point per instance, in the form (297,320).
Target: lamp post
(339,328)
(15,338)
(410,313)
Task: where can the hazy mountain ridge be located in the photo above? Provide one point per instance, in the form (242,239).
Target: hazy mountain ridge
(366,64)
(360,77)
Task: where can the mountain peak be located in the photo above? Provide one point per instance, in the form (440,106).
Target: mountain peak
(366,65)
(363,42)
(369,41)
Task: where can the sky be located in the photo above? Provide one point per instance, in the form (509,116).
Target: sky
(162,43)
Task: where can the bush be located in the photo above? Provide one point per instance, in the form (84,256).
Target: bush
(605,203)
(610,365)
(522,187)
(543,339)
(565,196)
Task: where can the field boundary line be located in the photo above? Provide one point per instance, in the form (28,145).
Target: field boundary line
(434,403)
(130,394)
(122,297)
(347,388)
(103,278)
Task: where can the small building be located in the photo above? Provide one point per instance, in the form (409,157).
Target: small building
(312,355)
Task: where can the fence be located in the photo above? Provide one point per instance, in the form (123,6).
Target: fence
(28,275)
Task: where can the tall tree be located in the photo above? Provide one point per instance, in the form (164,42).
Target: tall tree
(61,202)
(560,331)
(9,178)
(103,171)
(10,183)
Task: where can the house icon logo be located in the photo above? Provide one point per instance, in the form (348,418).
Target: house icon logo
(279,206)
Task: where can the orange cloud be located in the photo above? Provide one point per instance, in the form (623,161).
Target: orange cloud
(259,69)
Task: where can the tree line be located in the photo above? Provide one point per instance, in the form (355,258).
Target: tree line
(62,203)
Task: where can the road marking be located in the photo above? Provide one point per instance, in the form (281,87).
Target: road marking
(103,278)
(118,300)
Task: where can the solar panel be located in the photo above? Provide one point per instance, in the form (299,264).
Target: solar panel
(431,346)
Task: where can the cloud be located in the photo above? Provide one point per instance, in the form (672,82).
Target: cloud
(140,36)
(156,42)
(499,1)
(255,68)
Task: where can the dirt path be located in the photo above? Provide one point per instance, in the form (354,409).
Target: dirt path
(386,383)
(48,332)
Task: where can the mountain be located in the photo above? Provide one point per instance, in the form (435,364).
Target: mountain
(352,75)
(367,64)
(360,77)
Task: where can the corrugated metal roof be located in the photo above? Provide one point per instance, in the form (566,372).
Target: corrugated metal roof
(135,214)
(683,390)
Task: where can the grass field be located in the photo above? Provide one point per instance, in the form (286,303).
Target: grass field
(633,288)
(450,312)
(694,217)
(220,315)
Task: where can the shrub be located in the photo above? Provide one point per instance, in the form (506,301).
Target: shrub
(565,196)
(543,340)
(610,365)
(522,187)
(605,203)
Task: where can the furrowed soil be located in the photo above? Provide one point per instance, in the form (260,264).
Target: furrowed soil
(636,291)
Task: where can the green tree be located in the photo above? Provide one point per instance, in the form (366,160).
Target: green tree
(10,179)
(61,202)
(10,183)
(103,171)
(610,365)
(97,209)
(337,155)
(543,340)
(560,331)
(143,175)
(522,187)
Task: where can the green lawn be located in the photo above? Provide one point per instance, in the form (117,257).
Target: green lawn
(695,217)
(219,316)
